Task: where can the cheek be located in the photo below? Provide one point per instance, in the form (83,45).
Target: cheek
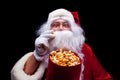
(54,29)
(67,29)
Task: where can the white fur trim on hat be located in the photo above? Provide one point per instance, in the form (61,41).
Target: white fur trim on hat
(17,72)
(60,13)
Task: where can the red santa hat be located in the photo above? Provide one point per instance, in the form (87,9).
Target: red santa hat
(76,17)
(64,14)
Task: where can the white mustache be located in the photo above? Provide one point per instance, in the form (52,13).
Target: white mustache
(63,33)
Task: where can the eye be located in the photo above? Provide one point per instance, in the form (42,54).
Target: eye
(66,25)
(55,25)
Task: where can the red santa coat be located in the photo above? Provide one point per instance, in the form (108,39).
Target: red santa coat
(93,70)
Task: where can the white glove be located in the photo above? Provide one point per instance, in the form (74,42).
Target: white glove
(42,45)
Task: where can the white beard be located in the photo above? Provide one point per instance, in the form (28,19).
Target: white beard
(62,40)
(66,40)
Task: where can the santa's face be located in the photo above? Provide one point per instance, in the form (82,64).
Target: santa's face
(66,37)
(60,24)
(62,32)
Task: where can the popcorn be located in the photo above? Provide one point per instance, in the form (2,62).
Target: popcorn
(64,58)
(63,65)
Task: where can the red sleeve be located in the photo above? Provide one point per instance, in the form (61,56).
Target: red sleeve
(98,72)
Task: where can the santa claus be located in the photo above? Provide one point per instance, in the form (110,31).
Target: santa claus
(61,31)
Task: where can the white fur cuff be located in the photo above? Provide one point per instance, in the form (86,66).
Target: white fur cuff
(17,72)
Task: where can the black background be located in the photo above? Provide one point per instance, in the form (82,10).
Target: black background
(21,19)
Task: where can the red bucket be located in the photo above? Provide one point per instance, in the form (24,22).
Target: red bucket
(56,72)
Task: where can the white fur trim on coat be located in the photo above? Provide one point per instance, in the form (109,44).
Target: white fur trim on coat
(17,72)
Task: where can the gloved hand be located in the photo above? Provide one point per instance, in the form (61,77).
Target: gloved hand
(42,45)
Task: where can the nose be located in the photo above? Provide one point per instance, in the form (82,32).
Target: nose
(61,27)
